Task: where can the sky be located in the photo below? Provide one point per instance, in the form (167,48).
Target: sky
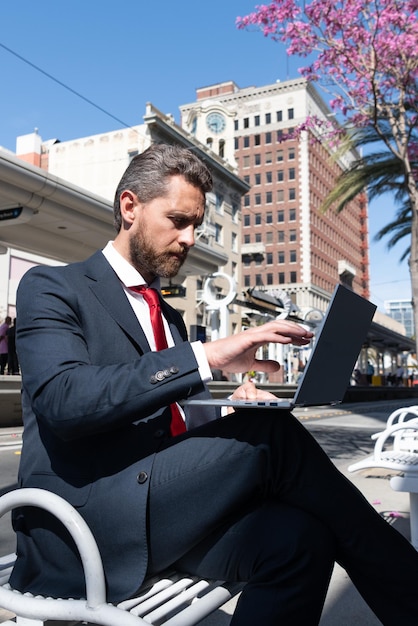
(108,59)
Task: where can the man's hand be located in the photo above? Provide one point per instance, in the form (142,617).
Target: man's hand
(248,391)
(237,353)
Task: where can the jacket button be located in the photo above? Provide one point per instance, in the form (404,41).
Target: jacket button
(159,433)
(142,477)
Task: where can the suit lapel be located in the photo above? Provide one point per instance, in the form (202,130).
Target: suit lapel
(106,287)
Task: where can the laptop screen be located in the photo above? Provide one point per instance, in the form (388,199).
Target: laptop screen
(337,346)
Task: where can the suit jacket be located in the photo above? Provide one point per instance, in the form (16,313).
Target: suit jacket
(95,414)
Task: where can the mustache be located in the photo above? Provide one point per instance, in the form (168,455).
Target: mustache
(182,252)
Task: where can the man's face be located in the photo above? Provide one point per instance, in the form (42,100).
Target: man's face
(163,230)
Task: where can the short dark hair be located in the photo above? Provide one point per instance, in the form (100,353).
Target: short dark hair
(148,173)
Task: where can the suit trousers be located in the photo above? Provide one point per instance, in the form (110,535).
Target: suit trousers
(252,497)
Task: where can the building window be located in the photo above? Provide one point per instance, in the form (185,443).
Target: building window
(236,143)
(219,234)
(247,238)
(269,177)
(257,199)
(268,118)
(246,121)
(246,161)
(290,114)
(279,116)
(292,215)
(257,159)
(247,179)
(292,235)
(257,140)
(257,179)
(280,176)
(269,157)
(246,142)
(280,216)
(292,173)
(234,242)
(247,282)
(269,217)
(280,257)
(281,278)
(258,279)
(235,124)
(269,258)
(291,154)
(247,201)
(258,238)
(279,156)
(269,197)
(292,194)
(256,120)
(269,236)
(269,279)
(219,203)
(279,136)
(235,212)
(257,219)
(280,236)
(293,256)
(247,219)
(268,138)
(280,195)
(293,277)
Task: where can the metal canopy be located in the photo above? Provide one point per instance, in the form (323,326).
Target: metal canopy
(46,215)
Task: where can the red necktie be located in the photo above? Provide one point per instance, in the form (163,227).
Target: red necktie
(152,298)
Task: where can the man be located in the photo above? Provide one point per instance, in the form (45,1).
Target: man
(3,343)
(249,496)
(12,360)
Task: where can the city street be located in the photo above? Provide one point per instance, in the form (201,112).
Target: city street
(344,433)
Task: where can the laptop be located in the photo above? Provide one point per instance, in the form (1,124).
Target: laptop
(335,351)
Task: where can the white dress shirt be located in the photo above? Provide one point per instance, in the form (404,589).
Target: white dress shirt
(130,277)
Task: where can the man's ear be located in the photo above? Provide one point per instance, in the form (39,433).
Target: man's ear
(128,203)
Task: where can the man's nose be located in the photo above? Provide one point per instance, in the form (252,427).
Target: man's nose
(187,236)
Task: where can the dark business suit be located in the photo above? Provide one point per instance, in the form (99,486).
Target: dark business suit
(240,497)
(93,435)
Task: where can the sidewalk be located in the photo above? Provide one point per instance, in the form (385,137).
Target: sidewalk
(344,433)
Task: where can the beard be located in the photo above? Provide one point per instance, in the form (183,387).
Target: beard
(146,259)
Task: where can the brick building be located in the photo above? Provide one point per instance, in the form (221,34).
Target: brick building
(288,245)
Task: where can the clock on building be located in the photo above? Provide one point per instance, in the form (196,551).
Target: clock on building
(216,122)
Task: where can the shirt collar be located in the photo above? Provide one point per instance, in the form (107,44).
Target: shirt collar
(126,272)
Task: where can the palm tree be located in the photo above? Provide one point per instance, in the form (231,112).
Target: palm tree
(379,172)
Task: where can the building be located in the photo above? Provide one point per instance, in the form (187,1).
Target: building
(287,243)
(402,311)
(96,164)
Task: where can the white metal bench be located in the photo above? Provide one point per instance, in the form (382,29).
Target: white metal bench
(172,599)
(396,449)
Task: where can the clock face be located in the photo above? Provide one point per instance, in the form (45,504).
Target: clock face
(215,122)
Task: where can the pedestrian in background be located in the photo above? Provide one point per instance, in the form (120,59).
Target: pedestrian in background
(12,360)
(4,353)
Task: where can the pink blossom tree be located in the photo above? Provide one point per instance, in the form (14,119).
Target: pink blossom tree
(363,53)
